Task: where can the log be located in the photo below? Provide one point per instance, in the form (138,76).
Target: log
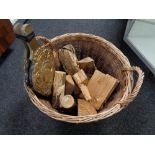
(76,91)
(85,108)
(101,87)
(58,88)
(81,79)
(69,60)
(88,65)
(67,102)
(60,100)
(85,92)
(56,60)
(70,48)
(69,85)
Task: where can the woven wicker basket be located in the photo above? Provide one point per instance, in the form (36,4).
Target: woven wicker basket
(108,59)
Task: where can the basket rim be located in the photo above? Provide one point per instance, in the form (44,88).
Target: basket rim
(88,118)
(94,37)
(69,118)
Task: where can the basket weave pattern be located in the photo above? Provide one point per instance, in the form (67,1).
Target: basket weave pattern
(108,59)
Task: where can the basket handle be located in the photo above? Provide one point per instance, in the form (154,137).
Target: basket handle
(137,86)
(43,39)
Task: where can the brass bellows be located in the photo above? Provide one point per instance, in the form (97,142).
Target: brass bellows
(41,58)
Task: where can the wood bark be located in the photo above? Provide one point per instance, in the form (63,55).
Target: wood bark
(56,60)
(69,60)
(58,88)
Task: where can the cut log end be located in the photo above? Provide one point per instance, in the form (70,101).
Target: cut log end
(67,102)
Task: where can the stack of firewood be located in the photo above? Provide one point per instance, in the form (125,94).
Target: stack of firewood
(78,84)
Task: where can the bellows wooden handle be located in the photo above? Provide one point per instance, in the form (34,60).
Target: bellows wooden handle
(23,29)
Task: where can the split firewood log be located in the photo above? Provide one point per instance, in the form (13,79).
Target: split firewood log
(76,91)
(85,108)
(81,80)
(68,59)
(56,60)
(88,65)
(58,88)
(59,99)
(101,87)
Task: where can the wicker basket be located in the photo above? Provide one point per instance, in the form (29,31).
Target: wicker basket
(108,59)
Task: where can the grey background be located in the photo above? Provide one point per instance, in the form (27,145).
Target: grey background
(19,116)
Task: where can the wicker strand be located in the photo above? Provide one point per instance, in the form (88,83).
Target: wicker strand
(43,39)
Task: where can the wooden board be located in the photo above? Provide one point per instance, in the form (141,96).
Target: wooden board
(85,108)
(101,87)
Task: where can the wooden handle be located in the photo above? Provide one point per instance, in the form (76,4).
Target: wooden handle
(23,30)
(26,34)
(26,29)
